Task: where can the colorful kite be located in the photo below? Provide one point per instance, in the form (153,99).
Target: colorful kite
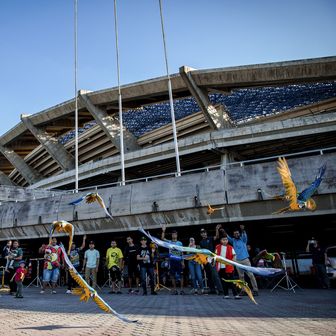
(90,198)
(244,286)
(211,210)
(256,270)
(298,201)
(85,291)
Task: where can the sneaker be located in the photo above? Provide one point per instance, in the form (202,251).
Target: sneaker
(195,292)
(154,293)
(255,293)
(19,297)
(136,292)
(53,292)
(144,293)
(130,291)
(119,292)
(226,297)
(174,292)
(68,291)
(112,292)
(238,297)
(42,291)
(182,292)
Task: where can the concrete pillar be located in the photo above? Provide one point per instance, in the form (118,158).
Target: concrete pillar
(28,173)
(215,118)
(109,125)
(51,145)
(226,158)
(4,179)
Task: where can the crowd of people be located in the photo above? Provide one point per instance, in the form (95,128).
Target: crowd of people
(142,266)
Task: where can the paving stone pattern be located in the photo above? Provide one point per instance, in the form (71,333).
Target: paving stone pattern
(307,312)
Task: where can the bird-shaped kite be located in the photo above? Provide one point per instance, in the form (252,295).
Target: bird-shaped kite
(90,198)
(244,286)
(302,200)
(211,210)
(85,291)
(256,270)
(62,226)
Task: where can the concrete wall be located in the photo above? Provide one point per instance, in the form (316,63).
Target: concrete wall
(132,205)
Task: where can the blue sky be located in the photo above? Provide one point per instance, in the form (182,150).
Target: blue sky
(37,52)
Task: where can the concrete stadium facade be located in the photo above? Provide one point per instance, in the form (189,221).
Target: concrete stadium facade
(224,163)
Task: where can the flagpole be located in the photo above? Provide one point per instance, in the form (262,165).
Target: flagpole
(122,155)
(76,97)
(172,112)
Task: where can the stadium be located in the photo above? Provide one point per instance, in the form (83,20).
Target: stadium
(232,126)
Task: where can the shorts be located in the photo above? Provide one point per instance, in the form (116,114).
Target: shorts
(176,269)
(133,271)
(115,273)
(51,275)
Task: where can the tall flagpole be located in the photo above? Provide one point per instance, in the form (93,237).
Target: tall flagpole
(172,112)
(122,155)
(76,98)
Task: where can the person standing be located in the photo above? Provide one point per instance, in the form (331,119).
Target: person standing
(146,261)
(320,260)
(210,271)
(195,271)
(131,261)
(52,264)
(18,277)
(75,260)
(14,255)
(239,243)
(226,272)
(114,263)
(91,264)
(176,263)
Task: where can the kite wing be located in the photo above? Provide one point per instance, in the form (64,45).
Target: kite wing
(309,192)
(243,285)
(62,226)
(255,270)
(290,188)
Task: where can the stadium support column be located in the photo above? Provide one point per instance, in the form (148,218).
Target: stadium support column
(5,180)
(57,151)
(28,173)
(216,118)
(109,125)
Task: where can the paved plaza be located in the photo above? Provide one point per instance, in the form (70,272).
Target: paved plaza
(307,312)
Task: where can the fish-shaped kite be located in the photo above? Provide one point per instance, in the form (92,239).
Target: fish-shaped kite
(298,201)
(85,291)
(256,270)
(90,198)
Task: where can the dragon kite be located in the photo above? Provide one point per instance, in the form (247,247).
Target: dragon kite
(85,290)
(201,253)
(298,201)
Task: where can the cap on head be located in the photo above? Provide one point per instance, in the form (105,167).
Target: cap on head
(203,230)
(143,238)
